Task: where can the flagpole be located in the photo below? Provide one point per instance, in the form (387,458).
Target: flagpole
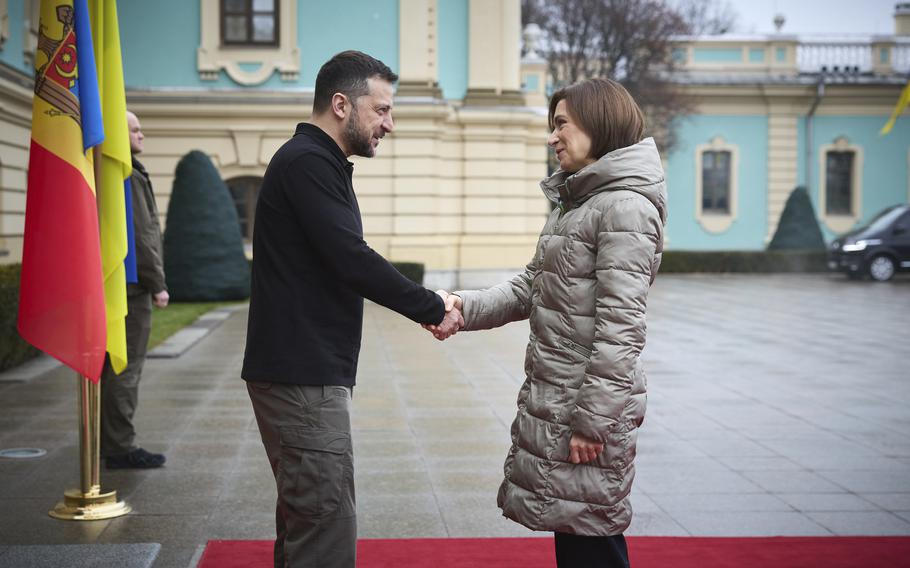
(88,503)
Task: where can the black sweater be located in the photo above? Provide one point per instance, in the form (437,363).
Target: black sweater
(312,269)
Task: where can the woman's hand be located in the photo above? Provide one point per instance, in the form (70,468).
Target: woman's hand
(583,449)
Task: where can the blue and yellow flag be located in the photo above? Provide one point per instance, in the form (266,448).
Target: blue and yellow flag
(116,167)
(898,109)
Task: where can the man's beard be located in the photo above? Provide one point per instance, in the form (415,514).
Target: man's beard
(358,142)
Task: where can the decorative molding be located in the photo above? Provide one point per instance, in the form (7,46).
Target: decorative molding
(212,57)
(715,222)
(30,32)
(247,144)
(841,223)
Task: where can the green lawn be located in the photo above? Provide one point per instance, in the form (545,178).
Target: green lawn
(176,316)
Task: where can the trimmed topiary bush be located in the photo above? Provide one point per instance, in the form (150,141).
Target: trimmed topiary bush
(13,349)
(798,228)
(203,248)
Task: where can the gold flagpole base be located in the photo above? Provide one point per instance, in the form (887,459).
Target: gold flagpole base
(92,506)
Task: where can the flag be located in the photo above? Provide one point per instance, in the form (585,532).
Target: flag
(116,167)
(898,109)
(132,272)
(61,297)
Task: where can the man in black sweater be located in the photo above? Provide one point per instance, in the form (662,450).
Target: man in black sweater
(311,271)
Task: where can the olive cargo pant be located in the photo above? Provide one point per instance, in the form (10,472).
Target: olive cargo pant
(306,431)
(120,393)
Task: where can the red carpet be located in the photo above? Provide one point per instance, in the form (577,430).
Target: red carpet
(645,552)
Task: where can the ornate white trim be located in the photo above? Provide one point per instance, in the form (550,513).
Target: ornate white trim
(212,57)
(841,223)
(717,222)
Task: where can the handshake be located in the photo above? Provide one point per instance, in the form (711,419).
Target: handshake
(453,320)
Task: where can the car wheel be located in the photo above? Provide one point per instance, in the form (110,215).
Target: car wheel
(881,268)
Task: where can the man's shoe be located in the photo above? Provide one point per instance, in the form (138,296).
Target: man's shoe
(136,459)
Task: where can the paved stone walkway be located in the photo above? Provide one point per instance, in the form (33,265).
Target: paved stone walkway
(778,405)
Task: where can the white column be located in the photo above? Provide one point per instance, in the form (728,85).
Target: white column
(494,55)
(417,48)
(510,46)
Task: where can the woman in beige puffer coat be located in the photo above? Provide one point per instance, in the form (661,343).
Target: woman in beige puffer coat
(570,468)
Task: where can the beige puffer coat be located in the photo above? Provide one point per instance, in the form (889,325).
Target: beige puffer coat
(585,292)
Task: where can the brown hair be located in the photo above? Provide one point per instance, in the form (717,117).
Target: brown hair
(347,73)
(605,111)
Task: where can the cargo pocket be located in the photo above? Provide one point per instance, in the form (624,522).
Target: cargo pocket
(316,472)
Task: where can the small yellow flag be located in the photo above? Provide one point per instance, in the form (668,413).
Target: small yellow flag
(898,109)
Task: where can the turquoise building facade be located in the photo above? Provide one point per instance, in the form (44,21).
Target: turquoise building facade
(782,111)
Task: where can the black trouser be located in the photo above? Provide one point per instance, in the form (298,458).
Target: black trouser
(577,551)
(120,393)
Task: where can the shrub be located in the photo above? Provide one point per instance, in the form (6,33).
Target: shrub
(203,249)
(13,349)
(798,228)
(743,261)
(412,270)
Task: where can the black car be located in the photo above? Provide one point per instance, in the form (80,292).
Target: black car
(879,249)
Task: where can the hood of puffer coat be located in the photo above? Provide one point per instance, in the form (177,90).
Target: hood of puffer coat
(634,168)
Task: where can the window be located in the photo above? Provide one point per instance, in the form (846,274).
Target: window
(248,40)
(249,22)
(716,191)
(839,183)
(245,191)
(715,172)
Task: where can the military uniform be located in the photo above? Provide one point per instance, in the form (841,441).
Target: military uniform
(119,393)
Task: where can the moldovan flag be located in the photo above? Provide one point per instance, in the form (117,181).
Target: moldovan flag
(116,166)
(61,303)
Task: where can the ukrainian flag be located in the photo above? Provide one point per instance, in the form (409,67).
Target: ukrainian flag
(898,109)
(116,167)
(61,303)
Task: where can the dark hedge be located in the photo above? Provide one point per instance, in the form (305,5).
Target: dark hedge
(13,349)
(743,261)
(412,270)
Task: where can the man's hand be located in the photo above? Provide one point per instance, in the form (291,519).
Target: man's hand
(452,321)
(449,326)
(583,449)
(161,299)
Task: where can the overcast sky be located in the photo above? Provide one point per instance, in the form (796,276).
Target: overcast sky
(816,16)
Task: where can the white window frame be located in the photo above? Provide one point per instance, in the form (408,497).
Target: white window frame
(212,57)
(717,222)
(841,223)
(4,22)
